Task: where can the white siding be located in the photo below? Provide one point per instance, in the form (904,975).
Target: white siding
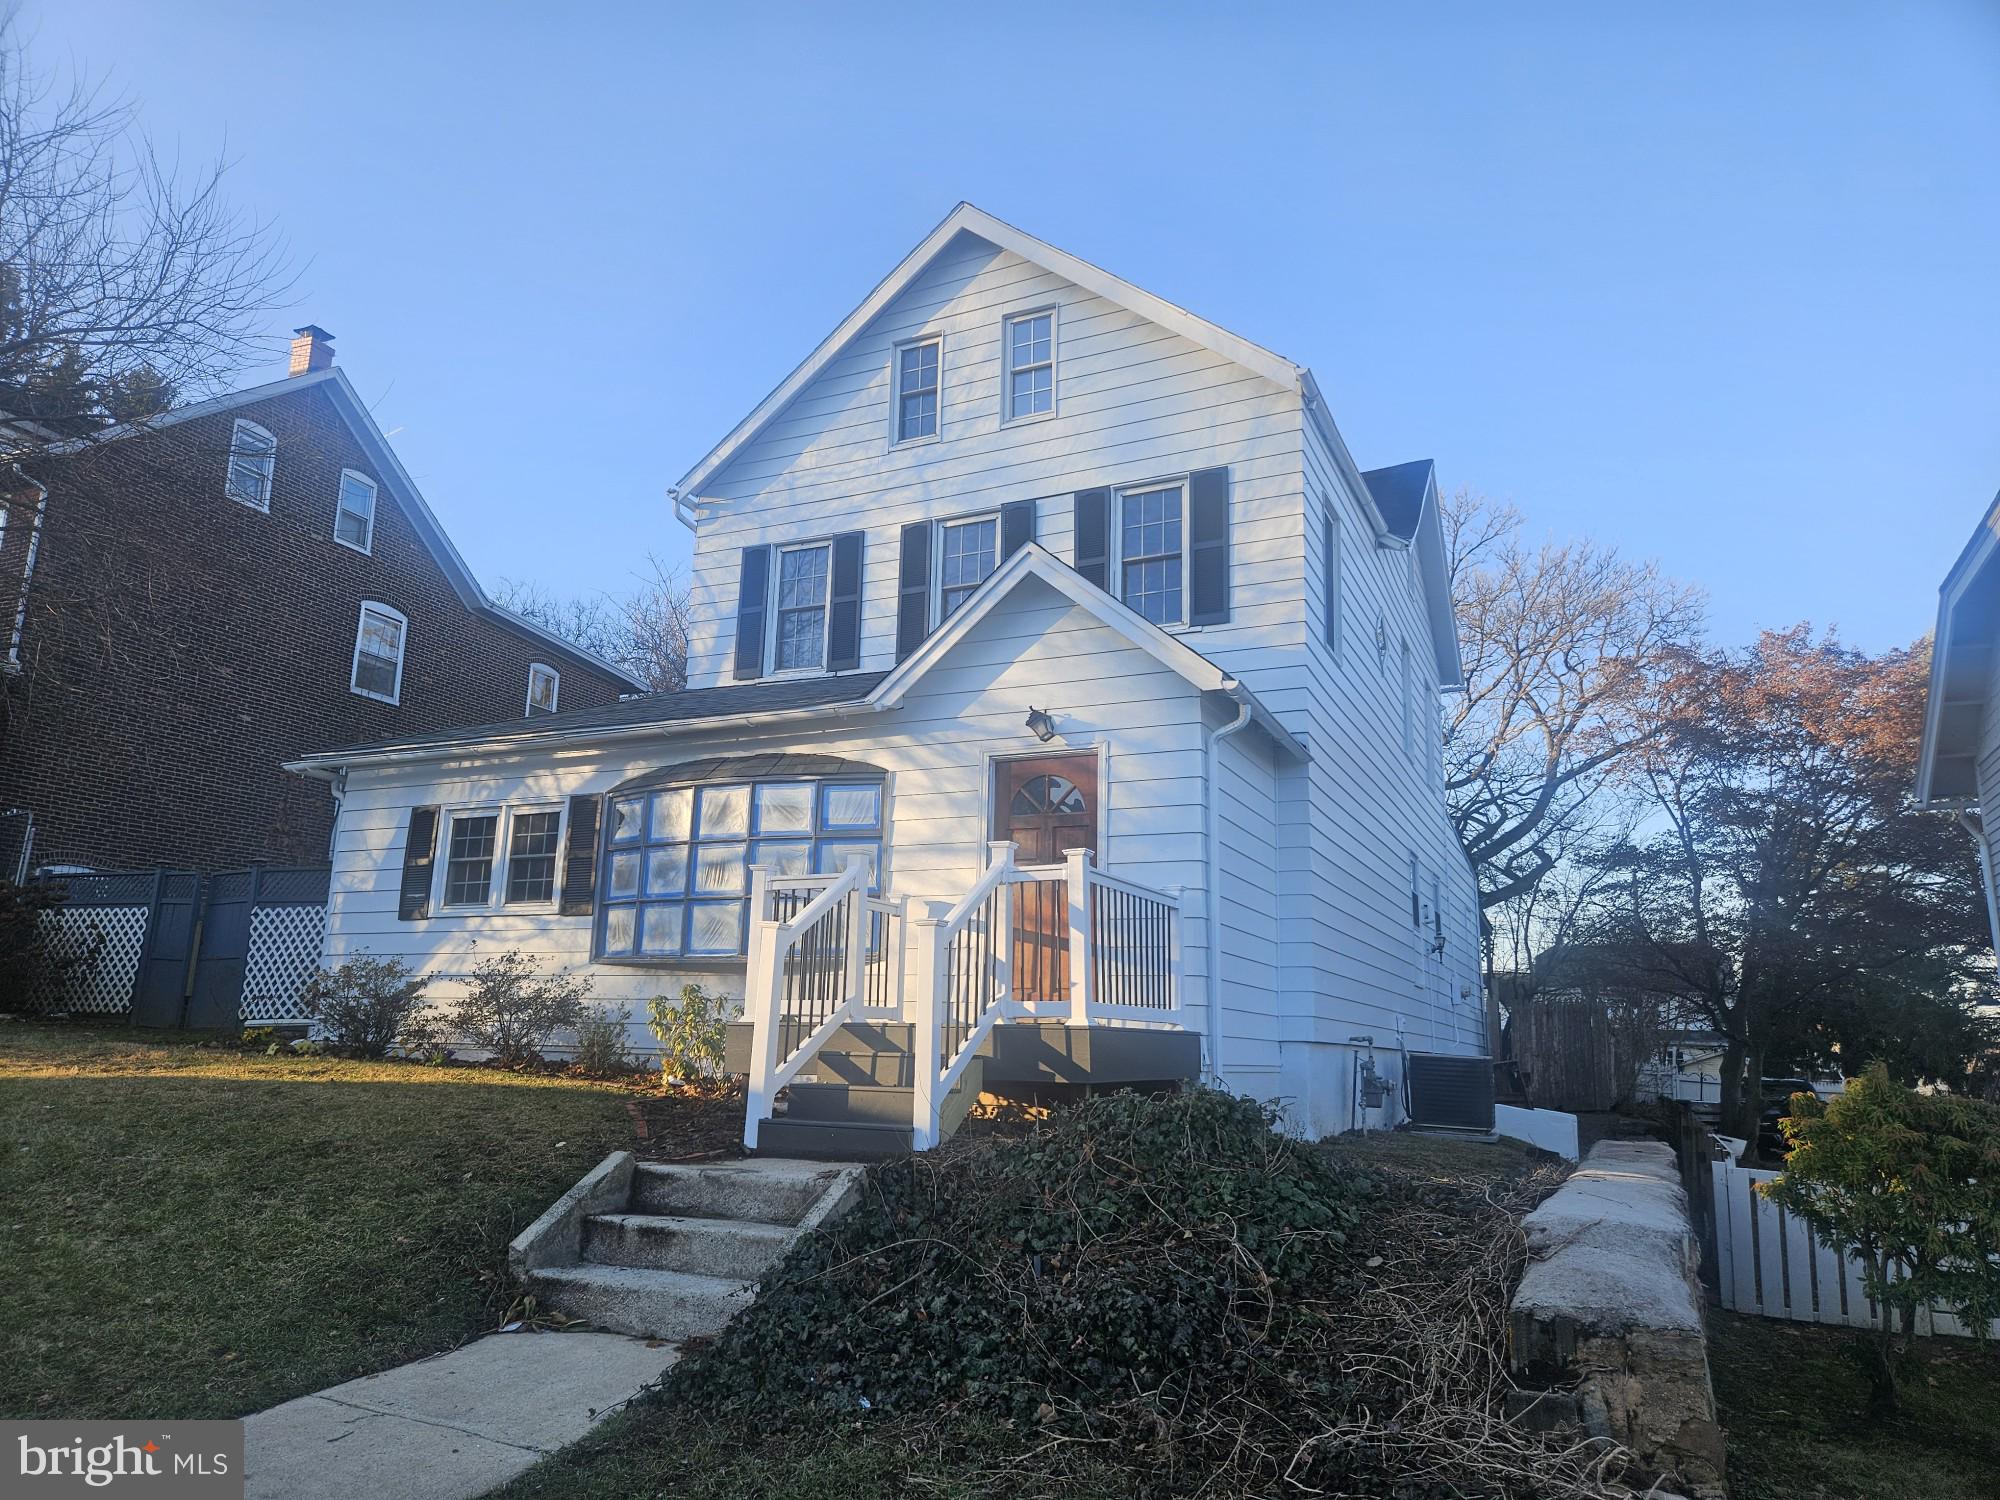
(974,704)
(1133,403)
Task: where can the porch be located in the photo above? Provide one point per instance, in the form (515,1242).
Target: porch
(871,1023)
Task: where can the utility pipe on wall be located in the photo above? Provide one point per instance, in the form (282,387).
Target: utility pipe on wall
(1211,838)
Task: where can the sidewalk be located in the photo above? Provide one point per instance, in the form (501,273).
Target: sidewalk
(450,1427)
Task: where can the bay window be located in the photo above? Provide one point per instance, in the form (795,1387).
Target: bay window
(677,858)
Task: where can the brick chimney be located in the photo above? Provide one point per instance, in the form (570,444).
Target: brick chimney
(312,350)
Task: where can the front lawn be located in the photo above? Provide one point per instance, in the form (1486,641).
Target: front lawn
(1794,1400)
(190,1231)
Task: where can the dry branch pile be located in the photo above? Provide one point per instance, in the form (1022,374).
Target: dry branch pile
(1169,1287)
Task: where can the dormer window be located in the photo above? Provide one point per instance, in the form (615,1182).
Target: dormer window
(253,456)
(354,515)
(544,684)
(799,621)
(918,366)
(1030,353)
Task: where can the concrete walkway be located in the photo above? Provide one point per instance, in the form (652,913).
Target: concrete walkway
(450,1427)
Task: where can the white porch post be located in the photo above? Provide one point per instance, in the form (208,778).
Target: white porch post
(1001,852)
(761,999)
(926,997)
(1177,894)
(1077,883)
(857,928)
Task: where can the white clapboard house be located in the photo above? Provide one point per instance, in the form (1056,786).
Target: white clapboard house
(1063,708)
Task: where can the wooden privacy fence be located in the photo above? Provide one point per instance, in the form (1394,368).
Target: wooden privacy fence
(1565,1050)
(1769,1262)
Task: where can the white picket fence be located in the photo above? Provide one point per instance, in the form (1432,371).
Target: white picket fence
(1769,1262)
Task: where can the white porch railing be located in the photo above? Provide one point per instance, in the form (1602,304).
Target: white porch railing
(822,952)
(1066,942)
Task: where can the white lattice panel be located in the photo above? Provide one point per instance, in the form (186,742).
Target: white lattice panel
(114,937)
(285,944)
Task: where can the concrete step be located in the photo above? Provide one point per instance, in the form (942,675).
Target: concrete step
(827,1140)
(845,1103)
(761,1192)
(727,1248)
(672,1305)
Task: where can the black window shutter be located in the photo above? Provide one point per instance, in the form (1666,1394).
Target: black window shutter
(419,852)
(1330,580)
(1093,536)
(1208,547)
(843,625)
(753,588)
(913,589)
(579,882)
(1017,527)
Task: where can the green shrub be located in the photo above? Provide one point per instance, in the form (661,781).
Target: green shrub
(367,1005)
(692,1032)
(512,1012)
(1129,1246)
(1905,1182)
(600,1044)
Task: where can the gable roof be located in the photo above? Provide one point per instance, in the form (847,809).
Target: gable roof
(1965,651)
(1407,496)
(347,402)
(804,697)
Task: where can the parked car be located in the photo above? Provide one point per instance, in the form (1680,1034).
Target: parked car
(1777,1104)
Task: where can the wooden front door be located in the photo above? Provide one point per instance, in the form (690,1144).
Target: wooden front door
(1047,804)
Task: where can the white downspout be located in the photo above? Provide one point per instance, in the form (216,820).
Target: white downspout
(1211,837)
(1973,824)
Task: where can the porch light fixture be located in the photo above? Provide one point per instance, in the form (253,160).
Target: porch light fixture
(1041,724)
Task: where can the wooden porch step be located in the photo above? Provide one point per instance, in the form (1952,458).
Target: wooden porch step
(850,1103)
(828,1140)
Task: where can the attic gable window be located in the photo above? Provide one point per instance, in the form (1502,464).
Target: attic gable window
(917,370)
(378,653)
(544,684)
(253,456)
(1030,351)
(354,515)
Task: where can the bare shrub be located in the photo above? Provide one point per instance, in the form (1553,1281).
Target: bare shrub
(368,1005)
(512,1012)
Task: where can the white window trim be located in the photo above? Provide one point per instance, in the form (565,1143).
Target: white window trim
(367,547)
(778,552)
(1114,543)
(1008,416)
(555,698)
(402,651)
(896,438)
(503,849)
(938,529)
(241,425)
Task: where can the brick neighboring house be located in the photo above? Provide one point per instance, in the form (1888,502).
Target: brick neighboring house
(185,609)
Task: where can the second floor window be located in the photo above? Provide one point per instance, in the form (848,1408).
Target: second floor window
(378,653)
(544,683)
(354,517)
(800,618)
(917,368)
(1149,552)
(967,551)
(1031,365)
(253,457)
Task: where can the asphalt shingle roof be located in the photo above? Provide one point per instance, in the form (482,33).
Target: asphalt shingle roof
(690,706)
(1399,494)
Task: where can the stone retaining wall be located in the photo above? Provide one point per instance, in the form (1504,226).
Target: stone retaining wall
(1607,1323)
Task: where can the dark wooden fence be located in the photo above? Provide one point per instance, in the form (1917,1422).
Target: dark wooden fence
(1566,1053)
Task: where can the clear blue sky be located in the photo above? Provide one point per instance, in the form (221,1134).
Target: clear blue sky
(1718,284)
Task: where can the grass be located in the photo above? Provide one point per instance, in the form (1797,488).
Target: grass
(665,1447)
(1794,1399)
(191,1231)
